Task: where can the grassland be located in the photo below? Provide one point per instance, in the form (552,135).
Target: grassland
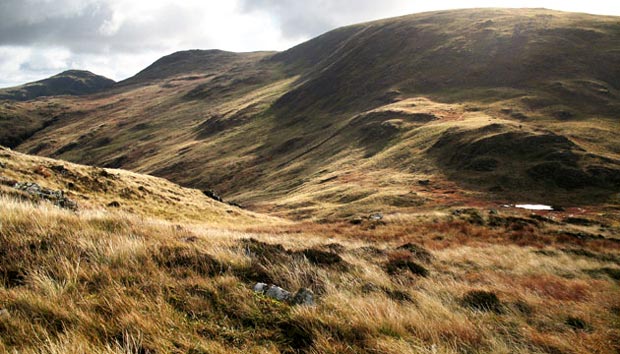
(110,280)
(377,165)
(485,104)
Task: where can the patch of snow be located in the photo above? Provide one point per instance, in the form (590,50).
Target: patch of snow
(534,206)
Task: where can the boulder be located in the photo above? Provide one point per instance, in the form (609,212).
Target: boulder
(375,216)
(277,293)
(260,288)
(211,194)
(304,297)
(57,197)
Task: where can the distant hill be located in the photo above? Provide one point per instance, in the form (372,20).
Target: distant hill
(70,82)
(199,62)
(392,115)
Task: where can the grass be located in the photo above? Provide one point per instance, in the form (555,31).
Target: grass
(349,122)
(312,146)
(116,282)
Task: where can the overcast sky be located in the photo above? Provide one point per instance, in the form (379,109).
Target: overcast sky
(118,38)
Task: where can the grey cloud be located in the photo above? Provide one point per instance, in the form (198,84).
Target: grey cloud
(80,27)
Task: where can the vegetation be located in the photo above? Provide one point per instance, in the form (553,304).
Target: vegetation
(377,165)
(105,279)
(483,104)
(70,82)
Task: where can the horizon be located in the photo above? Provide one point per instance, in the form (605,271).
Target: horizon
(123,44)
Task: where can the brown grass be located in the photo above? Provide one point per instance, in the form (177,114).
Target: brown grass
(114,282)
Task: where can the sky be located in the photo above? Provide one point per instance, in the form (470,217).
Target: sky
(118,38)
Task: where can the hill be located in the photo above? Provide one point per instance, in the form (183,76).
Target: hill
(371,178)
(142,266)
(443,108)
(70,82)
(93,189)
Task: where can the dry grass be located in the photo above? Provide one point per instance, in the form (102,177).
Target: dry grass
(114,282)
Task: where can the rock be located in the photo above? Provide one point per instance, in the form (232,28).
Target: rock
(114,204)
(57,197)
(304,297)
(277,293)
(260,288)
(375,216)
(237,205)
(211,194)
(4,313)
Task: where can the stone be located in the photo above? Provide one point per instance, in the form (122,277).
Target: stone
(211,194)
(57,197)
(260,288)
(376,216)
(303,297)
(277,293)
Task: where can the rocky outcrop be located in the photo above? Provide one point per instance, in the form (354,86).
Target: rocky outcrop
(303,296)
(57,197)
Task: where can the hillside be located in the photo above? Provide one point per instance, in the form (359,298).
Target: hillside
(70,82)
(167,270)
(445,108)
(92,189)
(375,186)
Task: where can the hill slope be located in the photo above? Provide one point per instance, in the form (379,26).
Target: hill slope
(85,188)
(121,278)
(497,105)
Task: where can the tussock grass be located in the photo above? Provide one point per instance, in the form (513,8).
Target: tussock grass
(115,282)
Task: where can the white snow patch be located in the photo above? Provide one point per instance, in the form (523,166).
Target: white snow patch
(534,206)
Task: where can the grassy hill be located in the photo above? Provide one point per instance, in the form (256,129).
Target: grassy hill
(70,82)
(449,107)
(376,167)
(165,269)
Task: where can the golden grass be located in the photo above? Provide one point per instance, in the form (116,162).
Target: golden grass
(114,282)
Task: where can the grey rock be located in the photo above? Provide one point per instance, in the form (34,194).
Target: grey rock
(4,313)
(277,293)
(376,216)
(57,197)
(260,287)
(304,297)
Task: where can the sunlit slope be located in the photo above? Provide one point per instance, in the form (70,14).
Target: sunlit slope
(495,104)
(116,191)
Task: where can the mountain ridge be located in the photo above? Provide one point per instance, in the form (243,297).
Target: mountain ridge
(392,97)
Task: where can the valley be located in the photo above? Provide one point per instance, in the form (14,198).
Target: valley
(386,168)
